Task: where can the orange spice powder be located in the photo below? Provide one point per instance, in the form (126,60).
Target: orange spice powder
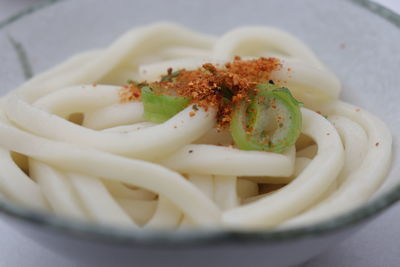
(211,85)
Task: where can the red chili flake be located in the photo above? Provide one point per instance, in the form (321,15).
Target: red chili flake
(94,85)
(358,110)
(192,114)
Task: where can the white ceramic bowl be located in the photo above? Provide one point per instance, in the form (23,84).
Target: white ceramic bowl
(357,39)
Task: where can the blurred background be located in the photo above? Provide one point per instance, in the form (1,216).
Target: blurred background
(10,7)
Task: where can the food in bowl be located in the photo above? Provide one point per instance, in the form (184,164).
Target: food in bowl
(172,129)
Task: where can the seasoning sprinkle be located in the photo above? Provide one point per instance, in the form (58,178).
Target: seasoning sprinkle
(210,85)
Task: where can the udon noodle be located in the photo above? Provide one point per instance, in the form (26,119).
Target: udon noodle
(68,145)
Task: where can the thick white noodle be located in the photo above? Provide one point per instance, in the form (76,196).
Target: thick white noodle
(180,130)
(300,164)
(216,137)
(218,160)
(304,190)
(360,184)
(181,51)
(28,193)
(250,40)
(60,76)
(58,190)
(167,215)
(225,192)
(308,84)
(154,71)
(99,203)
(98,160)
(114,115)
(130,46)
(355,152)
(205,183)
(130,128)
(100,164)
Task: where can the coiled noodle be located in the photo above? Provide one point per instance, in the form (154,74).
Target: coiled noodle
(70,147)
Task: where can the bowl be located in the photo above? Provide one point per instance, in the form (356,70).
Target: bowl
(358,40)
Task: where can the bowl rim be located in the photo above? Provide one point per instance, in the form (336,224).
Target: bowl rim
(199,237)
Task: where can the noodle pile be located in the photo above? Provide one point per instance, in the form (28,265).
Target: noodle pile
(69,146)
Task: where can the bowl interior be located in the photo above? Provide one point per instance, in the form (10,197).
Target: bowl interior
(361,47)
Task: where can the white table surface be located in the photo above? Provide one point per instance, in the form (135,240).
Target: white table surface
(377,245)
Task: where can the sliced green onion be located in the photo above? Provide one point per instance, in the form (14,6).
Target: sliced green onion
(270,122)
(159,108)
